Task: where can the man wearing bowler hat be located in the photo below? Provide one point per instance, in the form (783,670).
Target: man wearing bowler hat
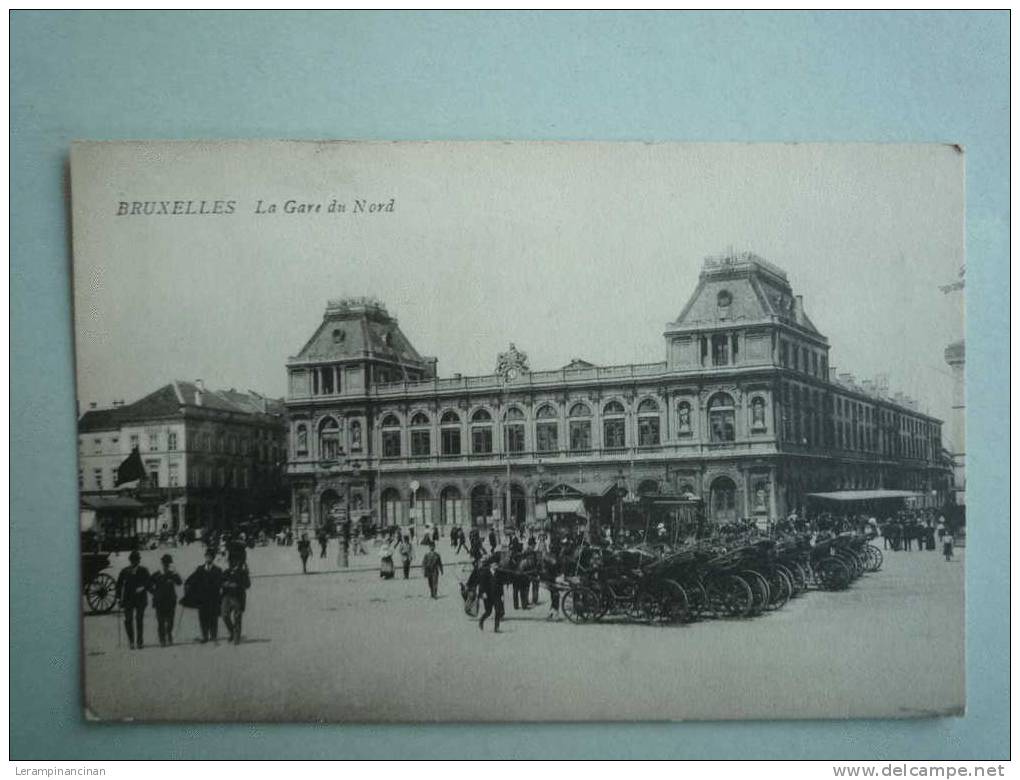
(164,599)
(132,593)
(202,590)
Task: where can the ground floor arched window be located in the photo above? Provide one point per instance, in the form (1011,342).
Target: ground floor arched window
(451,506)
(390,507)
(481,504)
(724,500)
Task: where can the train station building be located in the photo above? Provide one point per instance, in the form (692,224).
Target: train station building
(743,412)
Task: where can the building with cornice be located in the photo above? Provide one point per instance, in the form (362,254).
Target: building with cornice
(744,412)
(213,458)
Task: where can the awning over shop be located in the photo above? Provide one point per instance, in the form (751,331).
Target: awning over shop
(111,503)
(601,489)
(865,495)
(568,506)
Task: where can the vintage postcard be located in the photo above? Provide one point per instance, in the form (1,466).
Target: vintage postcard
(520,431)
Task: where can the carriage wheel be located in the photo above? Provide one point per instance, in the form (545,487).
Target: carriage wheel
(101,593)
(697,599)
(832,574)
(674,606)
(796,584)
(759,588)
(875,555)
(730,595)
(579,605)
(780,589)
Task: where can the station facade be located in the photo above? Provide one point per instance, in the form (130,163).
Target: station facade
(744,412)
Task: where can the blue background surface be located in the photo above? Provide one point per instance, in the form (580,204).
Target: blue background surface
(894,77)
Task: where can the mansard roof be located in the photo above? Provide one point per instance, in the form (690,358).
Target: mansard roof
(357,328)
(171,399)
(742,288)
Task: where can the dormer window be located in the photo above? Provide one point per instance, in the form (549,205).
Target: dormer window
(723,299)
(388,338)
(338,336)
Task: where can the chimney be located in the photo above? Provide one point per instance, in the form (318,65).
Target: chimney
(199,390)
(846,378)
(798,307)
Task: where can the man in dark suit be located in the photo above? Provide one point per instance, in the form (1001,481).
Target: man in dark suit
(490,588)
(164,599)
(202,590)
(133,595)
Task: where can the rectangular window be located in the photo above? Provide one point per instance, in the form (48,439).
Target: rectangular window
(546,437)
(514,438)
(722,426)
(171,441)
(421,444)
(152,467)
(481,440)
(720,350)
(814,363)
(450,441)
(580,435)
(81,479)
(615,432)
(784,355)
(97,446)
(97,474)
(134,441)
(153,442)
(173,476)
(327,380)
(733,346)
(648,431)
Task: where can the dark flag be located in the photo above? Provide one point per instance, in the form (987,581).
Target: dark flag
(131,469)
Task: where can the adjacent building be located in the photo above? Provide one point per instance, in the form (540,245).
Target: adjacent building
(744,411)
(212,457)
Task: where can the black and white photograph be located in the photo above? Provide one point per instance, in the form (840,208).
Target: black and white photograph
(519,431)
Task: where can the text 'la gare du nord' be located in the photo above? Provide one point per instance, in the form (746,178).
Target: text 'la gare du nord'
(198,208)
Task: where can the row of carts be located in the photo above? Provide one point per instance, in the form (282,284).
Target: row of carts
(743,579)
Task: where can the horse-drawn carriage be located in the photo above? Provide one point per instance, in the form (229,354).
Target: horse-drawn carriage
(98,588)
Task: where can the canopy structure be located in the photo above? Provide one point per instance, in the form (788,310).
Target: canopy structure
(865,495)
(565,506)
(111,503)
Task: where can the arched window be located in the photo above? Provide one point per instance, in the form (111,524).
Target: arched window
(391,507)
(451,506)
(648,423)
(421,436)
(648,487)
(614,426)
(513,430)
(390,436)
(329,439)
(724,500)
(758,413)
(421,506)
(301,440)
(481,504)
(546,429)
(449,433)
(580,428)
(721,417)
(518,506)
(687,489)
(481,432)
